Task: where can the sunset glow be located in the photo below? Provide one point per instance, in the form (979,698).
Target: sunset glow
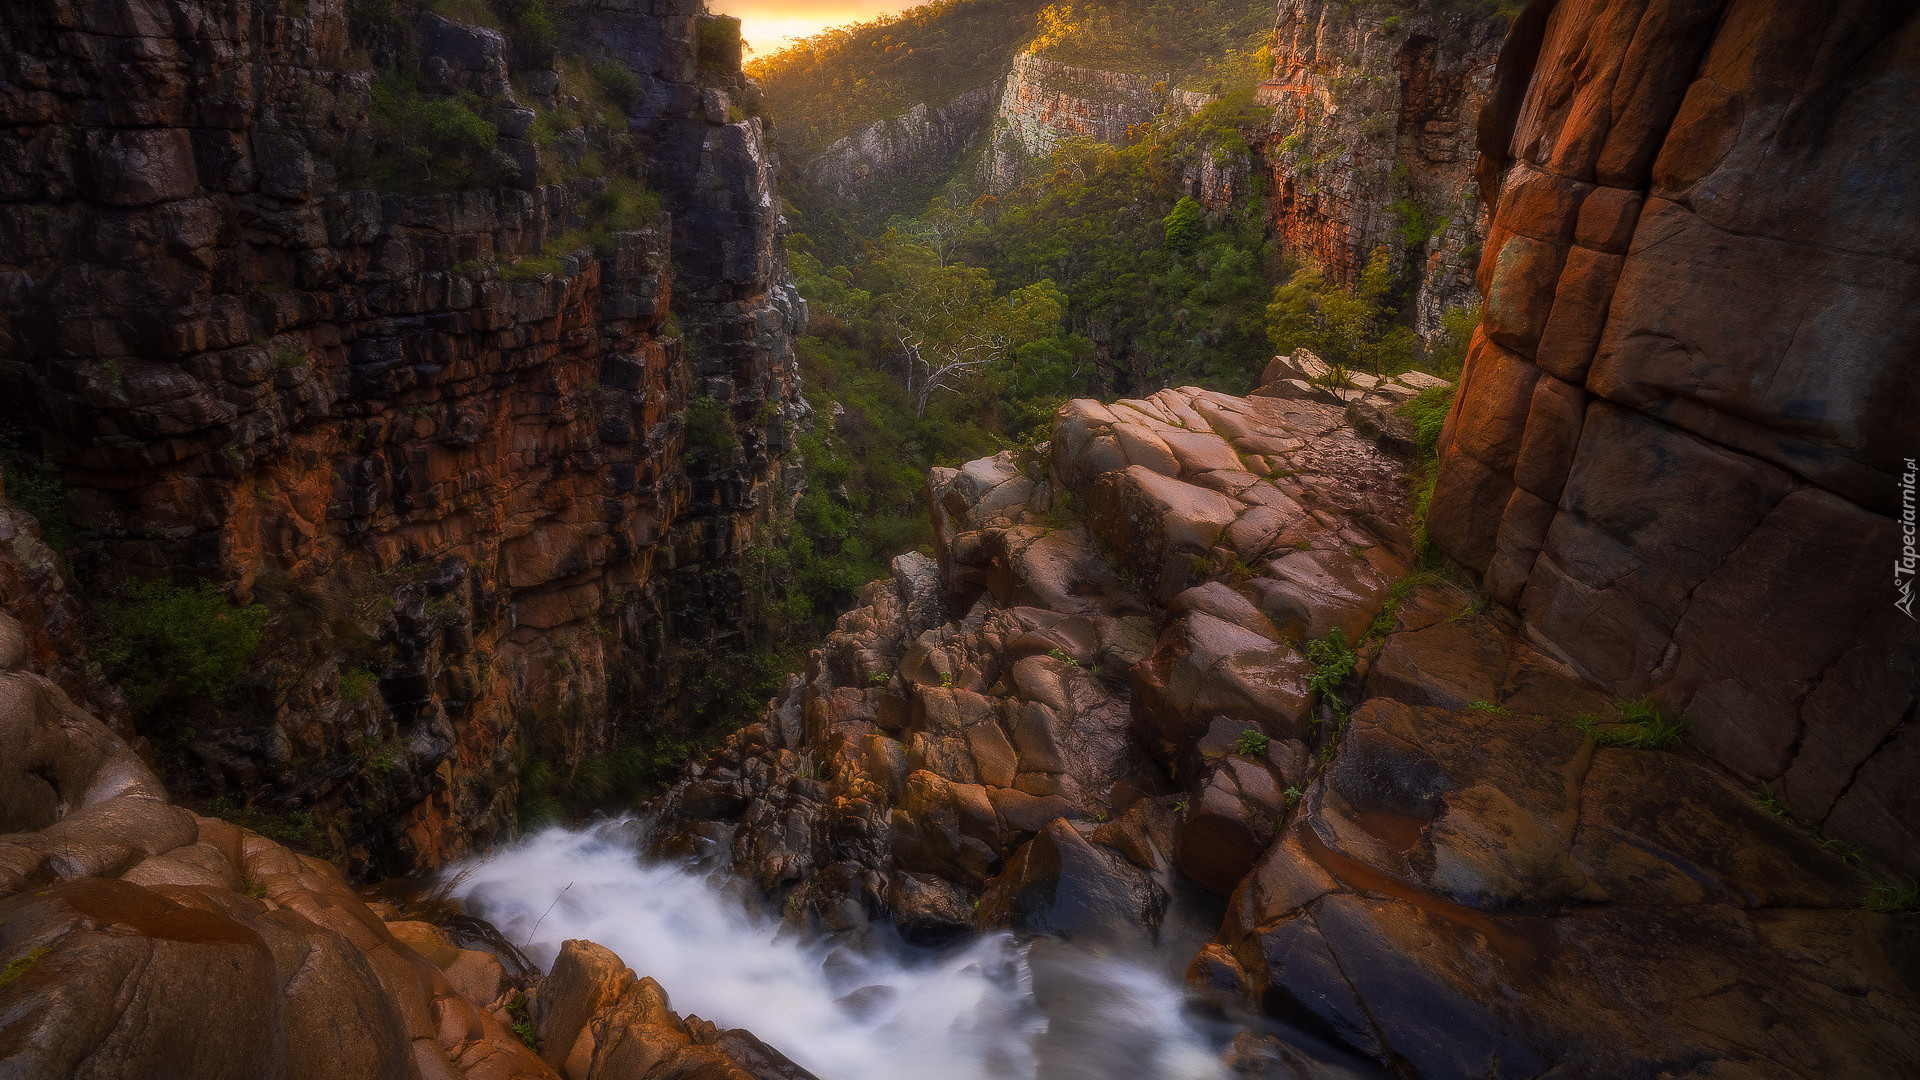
(772,25)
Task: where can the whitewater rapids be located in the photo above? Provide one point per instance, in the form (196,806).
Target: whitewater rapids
(995,1008)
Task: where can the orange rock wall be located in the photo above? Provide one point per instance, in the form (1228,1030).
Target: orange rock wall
(1374,115)
(1680,442)
(471,484)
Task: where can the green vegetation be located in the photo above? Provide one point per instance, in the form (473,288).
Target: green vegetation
(709,427)
(1172,293)
(18,965)
(34,484)
(522,1021)
(357,684)
(1490,708)
(1428,410)
(1894,898)
(1348,329)
(1184,226)
(845,78)
(1636,724)
(294,828)
(1333,662)
(170,646)
(423,143)
(1251,743)
(717,690)
(1770,801)
(1193,42)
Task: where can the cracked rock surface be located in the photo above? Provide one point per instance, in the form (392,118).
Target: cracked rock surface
(1095,706)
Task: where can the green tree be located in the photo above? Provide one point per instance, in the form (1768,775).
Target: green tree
(948,324)
(1185,225)
(1345,328)
(169,646)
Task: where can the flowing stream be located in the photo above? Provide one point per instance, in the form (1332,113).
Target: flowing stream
(995,1007)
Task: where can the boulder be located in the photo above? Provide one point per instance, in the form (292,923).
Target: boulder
(1060,885)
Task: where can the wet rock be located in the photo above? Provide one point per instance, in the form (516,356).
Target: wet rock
(584,979)
(1444,841)
(1060,885)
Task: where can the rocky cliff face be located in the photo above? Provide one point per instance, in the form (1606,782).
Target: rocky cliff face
(144,940)
(1683,445)
(1207,671)
(1372,142)
(444,434)
(1044,103)
(891,166)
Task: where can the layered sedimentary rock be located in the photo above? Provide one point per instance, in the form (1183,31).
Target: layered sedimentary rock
(1372,142)
(443,433)
(1683,446)
(1183,655)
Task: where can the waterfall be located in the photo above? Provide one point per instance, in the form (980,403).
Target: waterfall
(994,1006)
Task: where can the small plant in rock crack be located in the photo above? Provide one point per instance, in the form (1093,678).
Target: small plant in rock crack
(1251,743)
(879,678)
(1099,817)
(1292,795)
(1333,662)
(1637,725)
(1060,655)
(1179,806)
(522,1021)
(1490,708)
(1770,801)
(946,679)
(1894,898)
(1840,849)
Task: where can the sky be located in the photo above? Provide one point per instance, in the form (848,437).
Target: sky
(770,25)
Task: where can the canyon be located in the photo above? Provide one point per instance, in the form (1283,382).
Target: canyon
(436,429)
(1371,141)
(1592,759)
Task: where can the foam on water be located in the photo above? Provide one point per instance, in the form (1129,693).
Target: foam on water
(992,1008)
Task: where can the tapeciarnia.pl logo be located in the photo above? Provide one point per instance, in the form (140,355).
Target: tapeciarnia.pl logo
(1903,567)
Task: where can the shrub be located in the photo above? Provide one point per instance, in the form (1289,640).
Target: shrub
(1770,801)
(1636,725)
(1428,410)
(431,144)
(619,81)
(35,485)
(1345,328)
(357,685)
(294,828)
(169,645)
(1251,743)
(709,427)
(522,1021)
(1333,663)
